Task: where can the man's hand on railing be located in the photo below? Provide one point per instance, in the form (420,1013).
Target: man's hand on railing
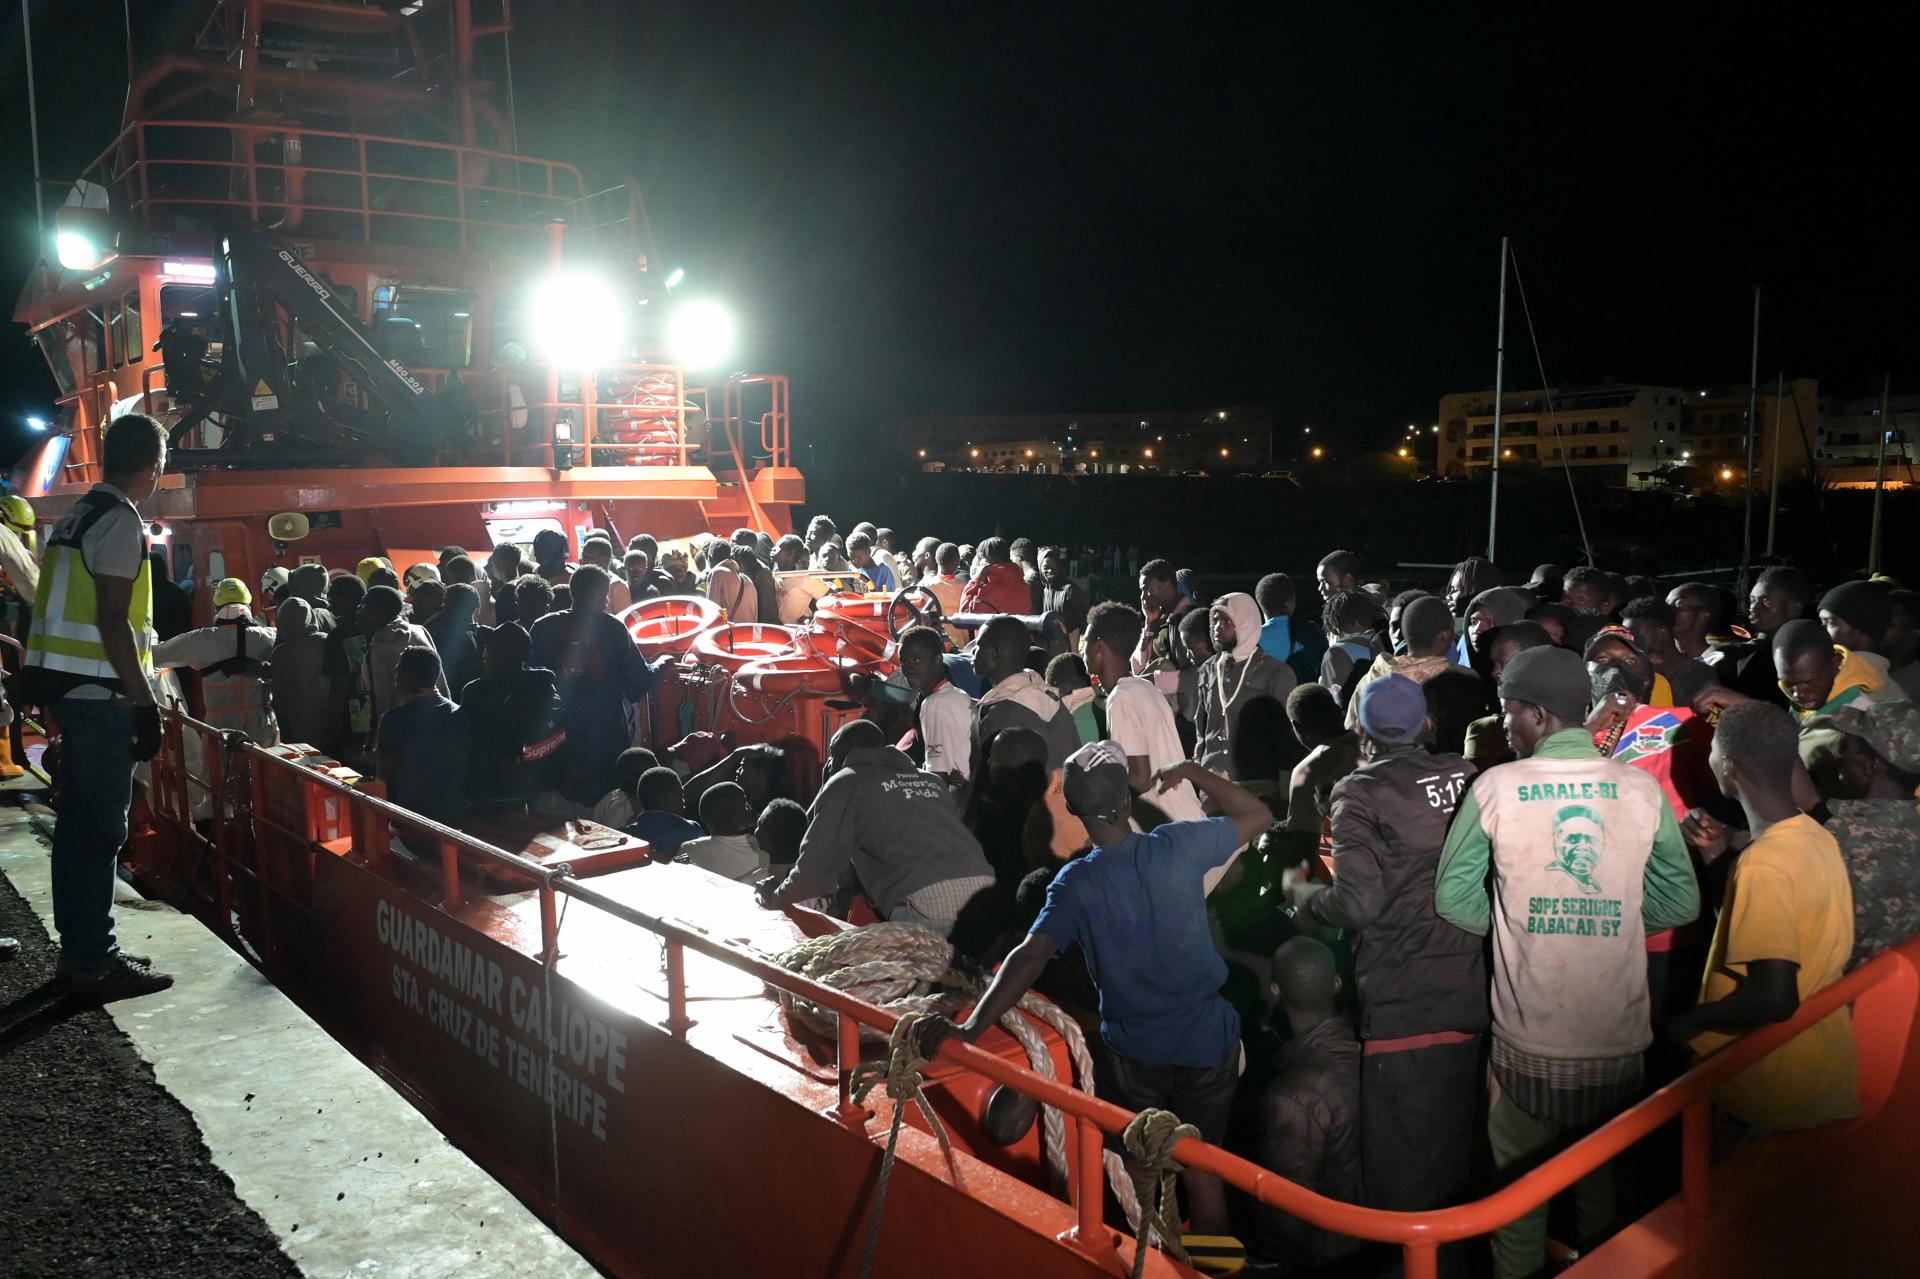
(934,1030)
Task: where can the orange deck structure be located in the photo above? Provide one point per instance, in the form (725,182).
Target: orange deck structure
(432,236)
(608,1046)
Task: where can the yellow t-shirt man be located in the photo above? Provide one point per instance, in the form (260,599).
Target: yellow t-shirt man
(1788,898)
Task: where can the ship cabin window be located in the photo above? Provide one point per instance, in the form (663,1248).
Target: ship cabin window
(123,323)
(87,343)
(424,328)
(188,302)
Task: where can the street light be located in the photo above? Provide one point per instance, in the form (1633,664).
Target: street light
(1317,450)
(1403,452)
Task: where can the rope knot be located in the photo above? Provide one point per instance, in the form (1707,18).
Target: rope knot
(1150,1139)
(900,1072)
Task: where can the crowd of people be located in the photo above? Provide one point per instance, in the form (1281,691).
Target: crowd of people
(1395,890)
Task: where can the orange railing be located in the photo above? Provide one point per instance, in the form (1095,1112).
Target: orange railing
(1884,992)
(185,175)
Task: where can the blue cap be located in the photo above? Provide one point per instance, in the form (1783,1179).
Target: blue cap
(1393,709)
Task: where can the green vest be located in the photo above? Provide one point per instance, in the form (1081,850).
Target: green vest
(64,648)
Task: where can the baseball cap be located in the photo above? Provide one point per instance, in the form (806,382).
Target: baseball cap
(1614,632)
(1096,781)
(1393,709)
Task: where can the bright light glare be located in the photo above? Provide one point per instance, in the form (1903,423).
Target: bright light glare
(675,276)
(37,423)
(578,321)
(202,271)
(77,252)
(701,335)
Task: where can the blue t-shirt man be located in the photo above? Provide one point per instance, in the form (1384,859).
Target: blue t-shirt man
(1137,909)
(665,831)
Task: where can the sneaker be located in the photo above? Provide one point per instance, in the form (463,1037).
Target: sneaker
(9,947)
(120,979)
(63,971)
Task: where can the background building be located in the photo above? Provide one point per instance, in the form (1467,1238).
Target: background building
(1632,435)
(1850,440)
(1229,440)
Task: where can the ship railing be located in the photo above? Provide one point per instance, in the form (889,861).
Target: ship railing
(185,176)
(1883,994)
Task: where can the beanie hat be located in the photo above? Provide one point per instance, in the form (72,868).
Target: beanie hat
(1554,679)
(1393,709)
(1866,606)
(1096,781)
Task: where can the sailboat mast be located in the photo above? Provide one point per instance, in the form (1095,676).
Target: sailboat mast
(1499,380)
(1753,398)
(1880,473)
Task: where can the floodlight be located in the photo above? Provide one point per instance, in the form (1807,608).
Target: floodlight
(701,335)
(36,424)
(675,276)
(578,320)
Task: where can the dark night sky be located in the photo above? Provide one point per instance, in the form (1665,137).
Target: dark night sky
(1062,206)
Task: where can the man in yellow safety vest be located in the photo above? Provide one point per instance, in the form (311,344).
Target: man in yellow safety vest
(19,580)
(89,664)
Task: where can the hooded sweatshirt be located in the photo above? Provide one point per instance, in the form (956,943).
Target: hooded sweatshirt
(1417,669)
(1231,680)
(893,823)
(1506,604)
(1001,588)
(1023,700)
(299,689)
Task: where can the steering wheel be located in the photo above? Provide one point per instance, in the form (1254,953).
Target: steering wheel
(927,614)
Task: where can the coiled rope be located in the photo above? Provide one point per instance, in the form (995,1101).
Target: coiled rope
(909,971)
(1150,1139)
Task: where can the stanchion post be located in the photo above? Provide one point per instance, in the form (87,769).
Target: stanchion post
(1696,1157)
(677,1020)
(847,1046)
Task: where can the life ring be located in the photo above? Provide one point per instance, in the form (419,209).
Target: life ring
(735,646)
(833,636)
(805,673)
(669,623)
(865,609)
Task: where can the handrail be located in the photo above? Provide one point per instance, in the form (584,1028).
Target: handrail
(1418,1234)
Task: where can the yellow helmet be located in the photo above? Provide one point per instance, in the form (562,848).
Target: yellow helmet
(231,590)
(365,568)
(18,513)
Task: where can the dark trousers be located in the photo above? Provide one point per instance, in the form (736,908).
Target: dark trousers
(95,791)
(1418,1111)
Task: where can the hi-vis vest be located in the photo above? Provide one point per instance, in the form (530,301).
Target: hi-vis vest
(64,648)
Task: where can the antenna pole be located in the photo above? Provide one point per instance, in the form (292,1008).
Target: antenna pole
(1773,470)
(1880,474)
(1499,379)
(1753,397)
(33,131)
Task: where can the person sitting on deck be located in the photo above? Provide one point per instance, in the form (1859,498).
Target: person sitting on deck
(878,574)
(1136,908)
(896,827)
(778,830)
(662,820)
(944,711)
(728,849)
(1309,1114)
(421,748)
(618,806)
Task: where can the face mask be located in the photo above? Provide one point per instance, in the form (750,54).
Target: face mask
(1609,680)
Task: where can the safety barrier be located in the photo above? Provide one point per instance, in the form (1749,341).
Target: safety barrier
(173,175)
(1884,991)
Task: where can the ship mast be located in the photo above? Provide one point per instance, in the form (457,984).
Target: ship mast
(1499,377)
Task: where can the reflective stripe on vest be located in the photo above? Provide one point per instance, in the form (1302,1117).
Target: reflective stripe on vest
(65,638)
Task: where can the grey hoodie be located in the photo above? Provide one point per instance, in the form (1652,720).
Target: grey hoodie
(894,823)
(1023,700)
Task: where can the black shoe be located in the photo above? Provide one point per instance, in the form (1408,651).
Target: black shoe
(9,947)
(63,971)
(120,979)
